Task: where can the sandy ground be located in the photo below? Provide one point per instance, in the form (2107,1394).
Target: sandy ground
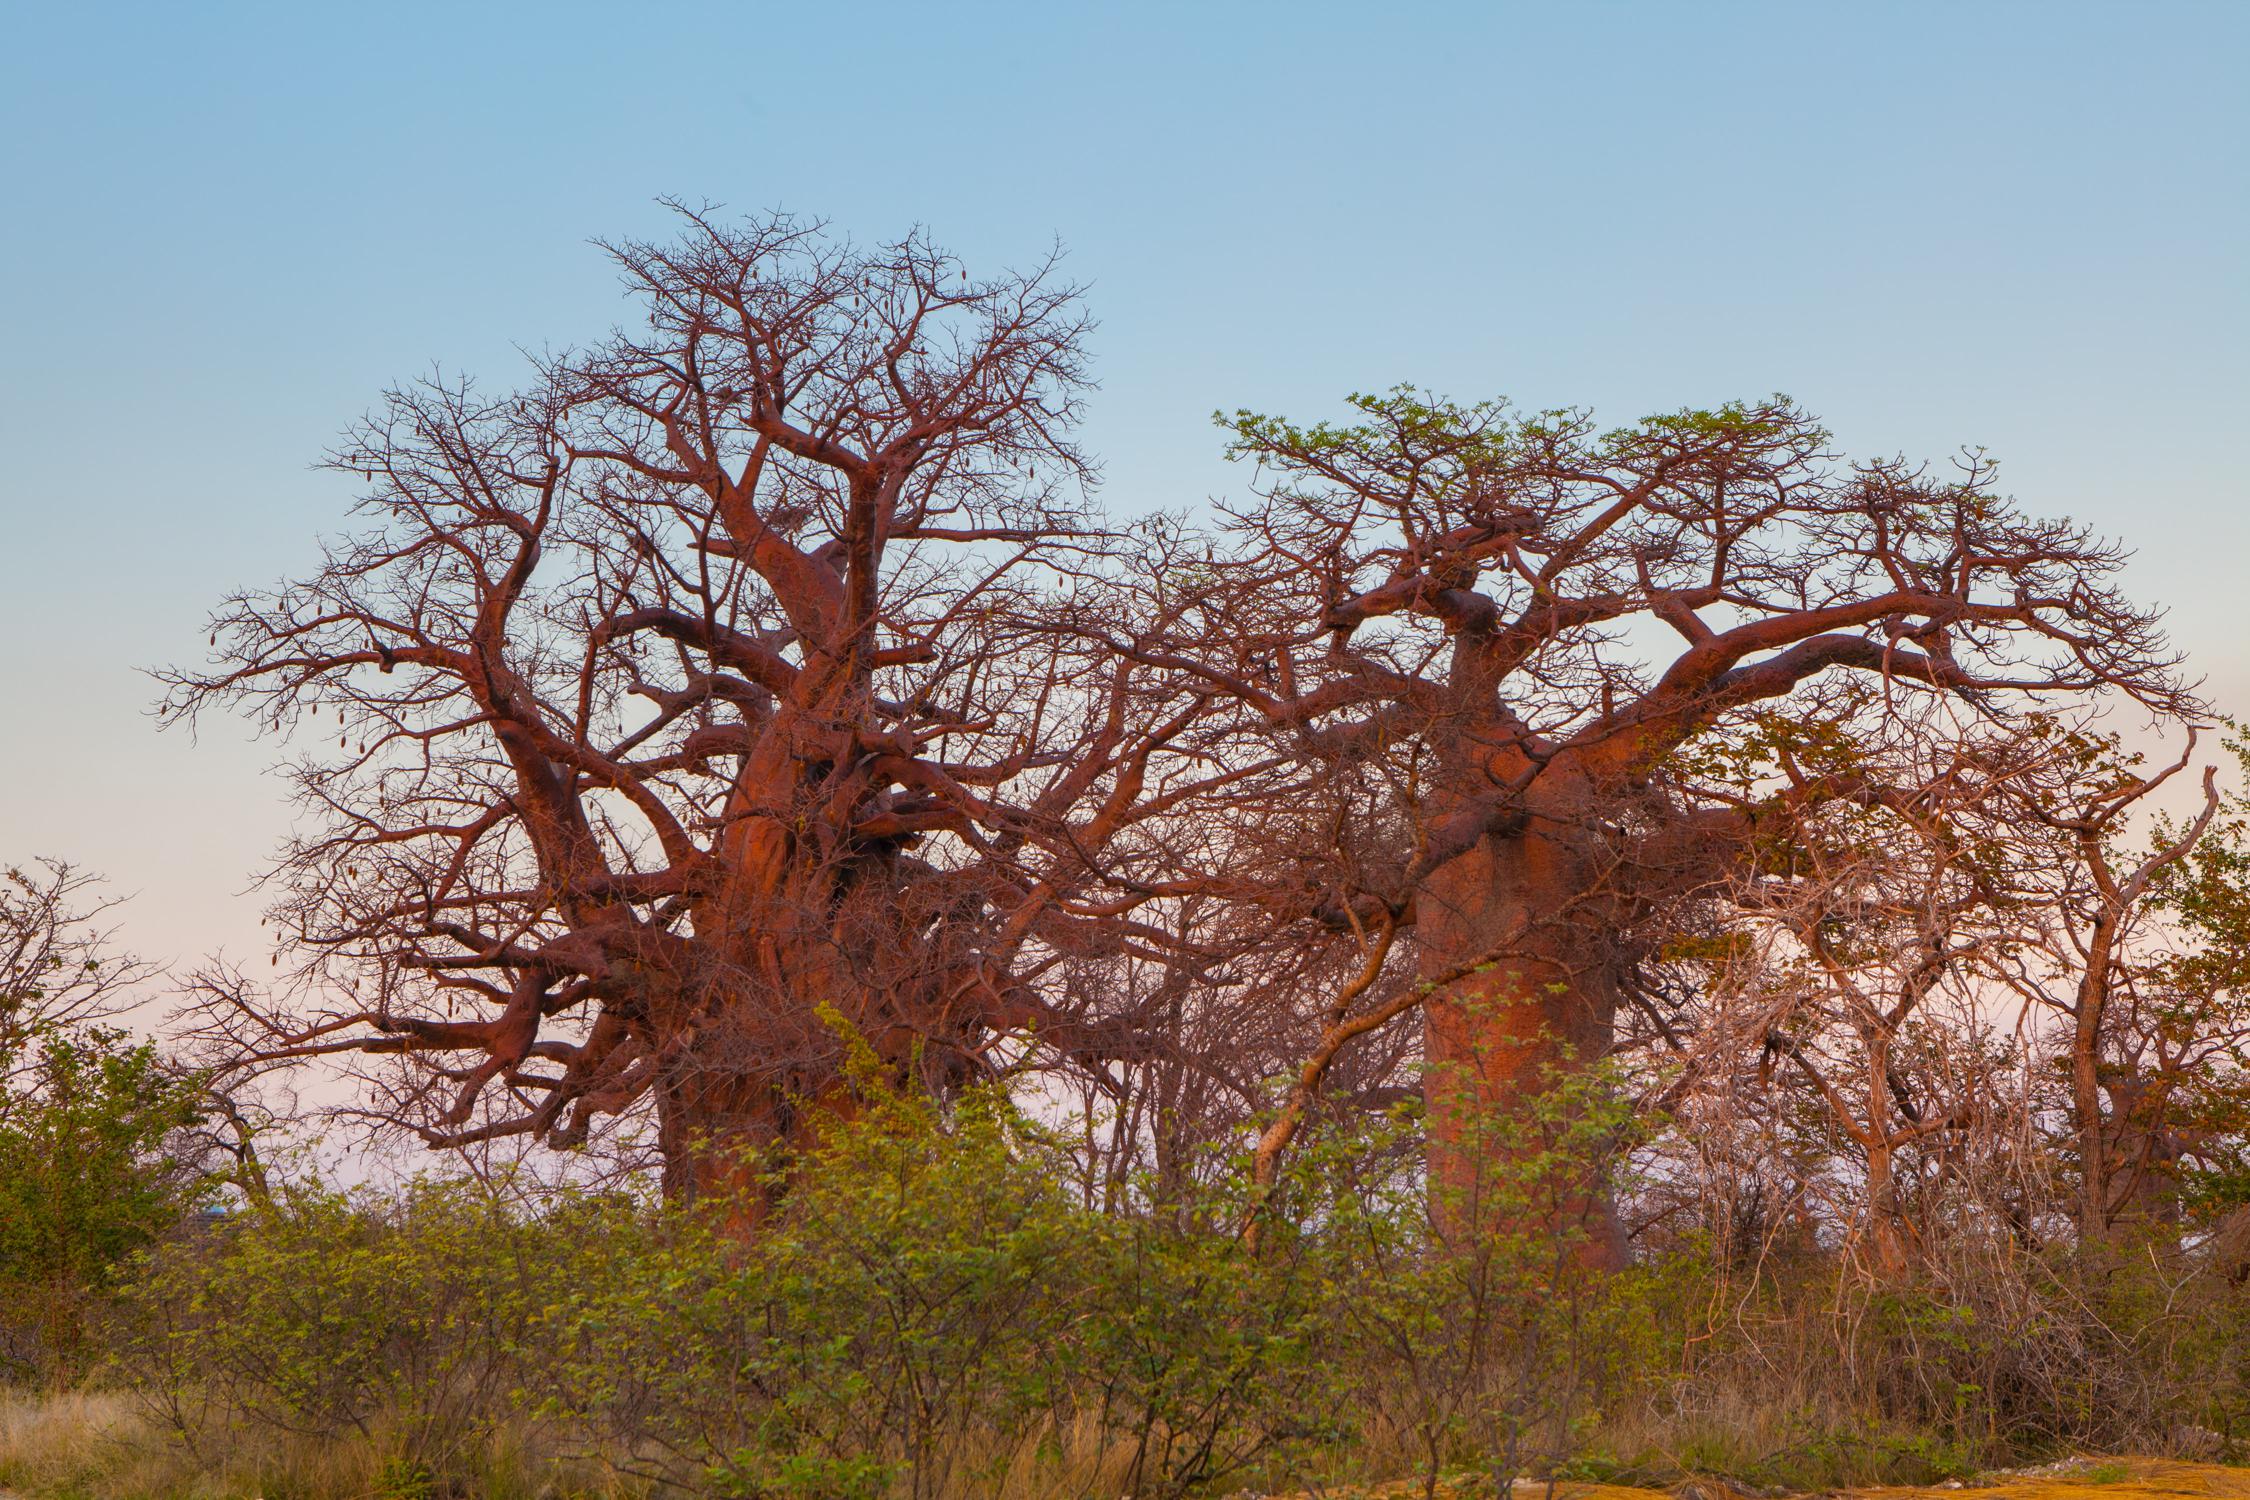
(2077,1479)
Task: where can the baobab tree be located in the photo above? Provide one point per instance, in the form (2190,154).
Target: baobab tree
(720,691)
(1534,621)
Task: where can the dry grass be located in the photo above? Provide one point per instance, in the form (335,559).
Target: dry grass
(90,1445)
(79,1445)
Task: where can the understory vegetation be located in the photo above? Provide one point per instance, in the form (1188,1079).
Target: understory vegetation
(940,1306)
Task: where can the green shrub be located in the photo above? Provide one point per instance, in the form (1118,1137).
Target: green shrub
(1493,1346)
(87,1180)
(902,1304)
(924,1310)
(927,1311)
(412,1320)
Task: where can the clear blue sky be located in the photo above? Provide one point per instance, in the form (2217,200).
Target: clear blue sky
(226,227)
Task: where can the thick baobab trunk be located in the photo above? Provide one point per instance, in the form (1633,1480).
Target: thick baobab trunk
(749,1049)
(1525,912)
(750,1085)
(715,1141)
(804,962)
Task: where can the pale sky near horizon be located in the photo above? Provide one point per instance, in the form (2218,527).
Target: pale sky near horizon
(227,227)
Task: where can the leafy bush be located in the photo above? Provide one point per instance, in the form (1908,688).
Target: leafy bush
(923,1308)
(925,1311)
(87,1180)
(1494,1347)
(412,1320)
(901,1304)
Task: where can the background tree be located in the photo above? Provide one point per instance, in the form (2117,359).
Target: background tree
(1871,932)
(2189,1037)
(2135,968)
(95,1165)
(93,1160)
(59,966)
(724,687)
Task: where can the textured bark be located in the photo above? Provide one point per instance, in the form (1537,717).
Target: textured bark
(720,697)
(1510,634)
(1527,911)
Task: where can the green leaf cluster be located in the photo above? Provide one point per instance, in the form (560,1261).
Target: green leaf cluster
(88,1178)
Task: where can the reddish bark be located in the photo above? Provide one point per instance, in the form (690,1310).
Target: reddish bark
(2099,897)
(1479,604)
(719,692)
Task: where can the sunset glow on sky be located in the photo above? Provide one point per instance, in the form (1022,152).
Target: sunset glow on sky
(2020,226)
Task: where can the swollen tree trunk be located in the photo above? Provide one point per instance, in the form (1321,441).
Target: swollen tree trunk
(715,1140)
(1525,913)
(807,949)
